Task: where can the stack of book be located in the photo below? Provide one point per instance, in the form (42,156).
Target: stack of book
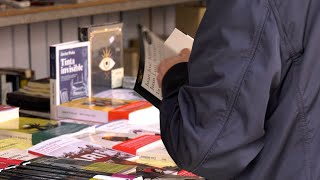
(33,99)
(12,79)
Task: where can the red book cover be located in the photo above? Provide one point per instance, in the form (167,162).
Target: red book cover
(186,173)
(131,146)
(123,112)
(6,162)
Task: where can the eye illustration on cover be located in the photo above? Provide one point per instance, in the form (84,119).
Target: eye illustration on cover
(107,63)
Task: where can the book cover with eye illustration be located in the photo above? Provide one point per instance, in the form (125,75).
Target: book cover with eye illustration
(69,73)
(106,42)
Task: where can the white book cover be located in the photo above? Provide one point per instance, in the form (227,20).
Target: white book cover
(130,127)
(73,148)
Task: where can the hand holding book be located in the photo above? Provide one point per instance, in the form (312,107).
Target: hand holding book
(166,64)
(153,52)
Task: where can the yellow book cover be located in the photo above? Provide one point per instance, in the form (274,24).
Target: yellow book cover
(13,143)
(30,130)
(15,149)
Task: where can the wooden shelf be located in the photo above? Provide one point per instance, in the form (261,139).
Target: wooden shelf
(38,14)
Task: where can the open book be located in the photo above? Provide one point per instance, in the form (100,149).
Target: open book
(153,51)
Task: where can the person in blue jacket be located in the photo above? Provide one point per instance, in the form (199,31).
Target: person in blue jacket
(247,104)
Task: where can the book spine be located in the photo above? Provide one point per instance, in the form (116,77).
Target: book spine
(153,156)
(2,88)
(54,100)
(82,114)
(4,134)
(124,112)
(89,76)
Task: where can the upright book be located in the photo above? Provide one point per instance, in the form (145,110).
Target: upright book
(153,51)
(106,42)
(70,70)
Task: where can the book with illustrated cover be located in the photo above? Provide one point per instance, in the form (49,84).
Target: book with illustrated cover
(36,130)
(153,51)
(115,132)
(70,73)
(106,41)
(100,110)
(73,148)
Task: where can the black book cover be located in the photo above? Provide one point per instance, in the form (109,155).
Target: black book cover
(144,38)
(28,102)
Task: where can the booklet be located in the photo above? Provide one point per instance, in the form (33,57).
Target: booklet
(153,51)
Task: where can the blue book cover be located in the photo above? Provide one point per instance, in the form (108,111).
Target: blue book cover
(69,73)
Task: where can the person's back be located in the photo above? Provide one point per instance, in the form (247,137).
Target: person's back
(250,108)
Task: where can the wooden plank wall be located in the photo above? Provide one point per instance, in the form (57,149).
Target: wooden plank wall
(27,45)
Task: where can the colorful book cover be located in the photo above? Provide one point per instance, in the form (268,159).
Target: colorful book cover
(72,148)
(104,139)
(36,130)
(141,143)
(99,110)
(114,168)
(106,43)
(70,69)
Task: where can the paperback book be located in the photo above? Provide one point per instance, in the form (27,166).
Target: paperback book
(15,149)
(70,73)
(100,110)
(36,130)
(73,148)
(153,51)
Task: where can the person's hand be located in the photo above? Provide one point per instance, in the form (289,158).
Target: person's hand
(166,64)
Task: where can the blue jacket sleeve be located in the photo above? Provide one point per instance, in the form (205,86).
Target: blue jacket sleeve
(212,124)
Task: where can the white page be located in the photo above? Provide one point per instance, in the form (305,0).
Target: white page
(158,51)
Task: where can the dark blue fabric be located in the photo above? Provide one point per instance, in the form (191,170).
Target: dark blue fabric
(249,107)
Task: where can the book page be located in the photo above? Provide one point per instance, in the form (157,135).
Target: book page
(153,52)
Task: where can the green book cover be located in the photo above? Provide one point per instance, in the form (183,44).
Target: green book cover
(36,130)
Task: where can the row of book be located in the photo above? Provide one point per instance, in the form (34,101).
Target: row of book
(112,135)
(116,148)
